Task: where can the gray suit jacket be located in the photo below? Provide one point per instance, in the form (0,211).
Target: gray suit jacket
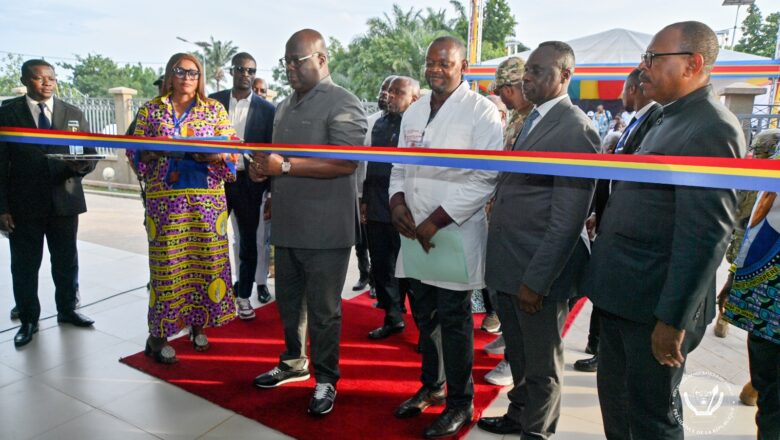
(314,213)
(659,246)
(537,219)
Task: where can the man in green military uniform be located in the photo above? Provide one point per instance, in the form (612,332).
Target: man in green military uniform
(509,87)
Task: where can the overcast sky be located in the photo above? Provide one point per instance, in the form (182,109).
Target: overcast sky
(146,30)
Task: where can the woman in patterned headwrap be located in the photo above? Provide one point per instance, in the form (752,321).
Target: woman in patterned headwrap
(186,216)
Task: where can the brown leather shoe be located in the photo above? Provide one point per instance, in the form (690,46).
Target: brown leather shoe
(422,399)
(749,395)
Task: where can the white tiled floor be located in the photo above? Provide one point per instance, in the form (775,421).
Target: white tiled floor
(68,383)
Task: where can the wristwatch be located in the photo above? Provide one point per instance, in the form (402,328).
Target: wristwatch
(286,165)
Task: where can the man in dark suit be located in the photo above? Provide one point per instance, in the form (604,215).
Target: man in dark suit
(652,273)
(647,113)
(253,118)
(384,243)
(534,258)
(42,197)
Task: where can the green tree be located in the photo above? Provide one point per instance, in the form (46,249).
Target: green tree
(217,55)
(393,44)
(10,72)
(498,23)
(758,35)
(93,75)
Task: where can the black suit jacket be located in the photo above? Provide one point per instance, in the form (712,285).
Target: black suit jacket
(259,122)
(629,147)
(660,245)
(32,185)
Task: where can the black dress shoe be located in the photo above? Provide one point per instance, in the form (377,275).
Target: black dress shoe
(361,283)
(422,399)
(587,365)
(74,318)
(25,334)
(14,313)
(449,422)
(263,295)
(386,330)
(500,425)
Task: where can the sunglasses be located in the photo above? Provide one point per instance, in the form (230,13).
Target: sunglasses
(189,73)
(242,70)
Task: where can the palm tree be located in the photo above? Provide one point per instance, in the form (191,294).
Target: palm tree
(216,54)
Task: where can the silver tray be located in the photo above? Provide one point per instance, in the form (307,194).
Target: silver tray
(92,157)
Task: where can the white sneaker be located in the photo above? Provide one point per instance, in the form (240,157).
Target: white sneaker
(245,310)
(501,375)
(497,346)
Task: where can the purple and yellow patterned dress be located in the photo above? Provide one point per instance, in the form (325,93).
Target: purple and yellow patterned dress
(186,222)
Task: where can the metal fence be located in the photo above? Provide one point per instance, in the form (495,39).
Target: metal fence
(757,122)
(101,114)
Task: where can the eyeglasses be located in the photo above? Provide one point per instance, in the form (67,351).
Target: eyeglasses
(189,73)
(242,70)
(262,90)
(647,57)
(295,62)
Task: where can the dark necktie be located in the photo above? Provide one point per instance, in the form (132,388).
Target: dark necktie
(526,128)
(43,121)
(624,137)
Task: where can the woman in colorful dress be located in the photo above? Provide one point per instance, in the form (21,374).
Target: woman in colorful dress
(186,216)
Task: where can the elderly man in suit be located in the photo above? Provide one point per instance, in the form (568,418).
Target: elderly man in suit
(42,197)
(537,246)
(652,273)
(646,113)
(253,119)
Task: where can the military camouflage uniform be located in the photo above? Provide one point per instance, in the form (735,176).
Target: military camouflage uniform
(508,73)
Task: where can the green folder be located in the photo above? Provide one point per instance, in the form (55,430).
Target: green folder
(445,262)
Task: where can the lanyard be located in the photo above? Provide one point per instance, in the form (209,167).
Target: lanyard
(177,121)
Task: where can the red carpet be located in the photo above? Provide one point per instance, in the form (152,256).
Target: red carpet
(375,376)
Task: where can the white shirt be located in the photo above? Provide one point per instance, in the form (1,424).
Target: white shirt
(544,109)
(626,117)
(466,120)
(36,111)
(238,111)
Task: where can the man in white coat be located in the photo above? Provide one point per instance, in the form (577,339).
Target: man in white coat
(425,200)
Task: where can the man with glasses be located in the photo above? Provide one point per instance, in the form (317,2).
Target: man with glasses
(652,272)
(315,217)
(253,119)
(42,197)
